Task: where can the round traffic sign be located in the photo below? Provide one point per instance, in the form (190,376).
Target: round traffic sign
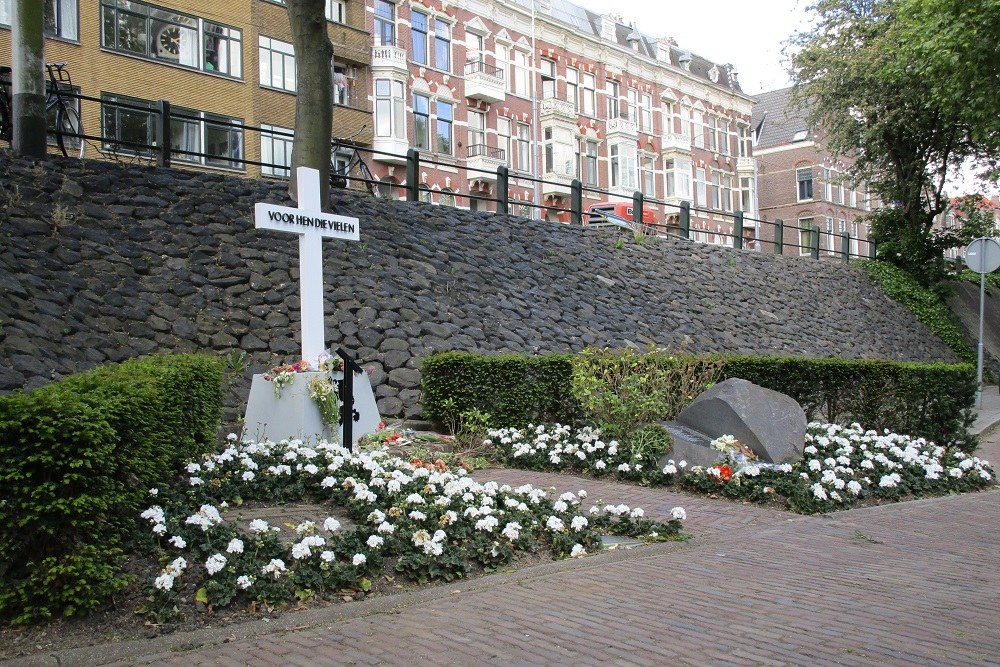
(983,255)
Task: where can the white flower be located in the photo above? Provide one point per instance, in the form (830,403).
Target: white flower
(244,582)
(577,551)
(331,525)
(359,559)
(160,529)
(854,487)
(416,515)
(192,468)
(637,513)
(678,513)
(819,491)
(248,475)
(196,481)
(415,498)
(178,541)
(600,465)
(328,482)
(328,556)
(487,524)
(578,523)
(164,582)
(374,542)
(177,565)
(511,531)
(560,506)
(259,526)
(555,524)
(215,563)
(670,469)
(154,491)
(386,527)
(235,546)
(276,567)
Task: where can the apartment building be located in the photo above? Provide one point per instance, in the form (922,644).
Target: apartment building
(544,87)
(802,185)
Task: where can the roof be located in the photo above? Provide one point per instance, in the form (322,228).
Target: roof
(776,121)
(585,21)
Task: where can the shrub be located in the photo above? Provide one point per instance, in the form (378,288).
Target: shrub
(76,460)
(925,304)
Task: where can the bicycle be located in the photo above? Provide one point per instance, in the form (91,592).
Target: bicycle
(340,171)
(68,125)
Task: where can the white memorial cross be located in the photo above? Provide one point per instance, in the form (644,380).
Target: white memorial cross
(312,225)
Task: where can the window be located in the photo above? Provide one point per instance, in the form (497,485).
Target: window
(385,23)
(442,45)
(701,187)
(548,73)
(646,112)
(205,138)
(573,88)
(523,147)
(829,236)
(611,91)
(807,233)
(277,64)
(342,83)
(477,133)
(678,178)
(710,136)
(129,125)
(804,177)
(744,140)
(717,191)
(746,194)
(502,54)
(421,122)
(588,98)
(698,128)
(418,26)
(389,117)
(474,47)
(623,165)
(590,163)
(521,73)
(445,120)
(336,11)
(558,145)
(447,198)
(633,105)
(275,151)
(727,193)
(827,184)
(150,32)
(722,139)
(504,139)
(425,195)
(61,17)
(648,168)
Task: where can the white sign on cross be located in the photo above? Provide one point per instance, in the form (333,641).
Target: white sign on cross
(312,225)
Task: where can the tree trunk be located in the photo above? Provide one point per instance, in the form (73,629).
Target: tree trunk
(314,102)
(28,63)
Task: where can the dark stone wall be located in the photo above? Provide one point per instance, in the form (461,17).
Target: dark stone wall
(101,262)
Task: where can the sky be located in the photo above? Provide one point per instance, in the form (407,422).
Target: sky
(747,34)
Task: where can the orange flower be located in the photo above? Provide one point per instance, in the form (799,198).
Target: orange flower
(416,463)
(725,473)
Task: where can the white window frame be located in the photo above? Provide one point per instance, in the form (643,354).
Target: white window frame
(677,173)
(420,37)
(504,138)
(271,55)
(442,44)
(800,182)
(523,147)
(276,150)
(646,113)
(558,150)
(444,128)
(390,102)
(422,139)
(805,234)
(588,95)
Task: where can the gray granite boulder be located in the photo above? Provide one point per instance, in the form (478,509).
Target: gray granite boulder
(770,423)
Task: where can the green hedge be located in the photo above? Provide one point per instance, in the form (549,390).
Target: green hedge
(514,389)
(929,400)
(77,459)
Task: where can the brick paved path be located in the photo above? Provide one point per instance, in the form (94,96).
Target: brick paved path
(915,583)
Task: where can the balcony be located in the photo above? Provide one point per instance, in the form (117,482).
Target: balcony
(484,82)
(556,184)
(676,143)
(483,161)
(746,165)
(558,110)
(622,127)
(391,150)
(389,56)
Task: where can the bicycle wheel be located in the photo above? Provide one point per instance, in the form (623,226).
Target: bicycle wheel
(68,124)
(366,174)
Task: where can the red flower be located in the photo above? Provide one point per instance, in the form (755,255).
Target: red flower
(725,473)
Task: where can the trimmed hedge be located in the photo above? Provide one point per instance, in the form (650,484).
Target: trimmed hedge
(929,400)
(77,459)
(514,389)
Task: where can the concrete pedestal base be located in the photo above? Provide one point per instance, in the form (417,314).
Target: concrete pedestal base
(295,415)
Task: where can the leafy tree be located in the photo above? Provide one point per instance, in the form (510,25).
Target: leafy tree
(879,92)
(313,103)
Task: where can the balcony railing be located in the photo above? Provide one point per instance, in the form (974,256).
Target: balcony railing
(483,162)
(622,126)
(673,141)
(484,82)
(746,164)
(389,54)
(556,109)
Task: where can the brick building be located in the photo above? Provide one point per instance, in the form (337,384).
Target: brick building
(802,185)
(544,87)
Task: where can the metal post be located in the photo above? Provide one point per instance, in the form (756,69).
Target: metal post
(503,189)
(163,135)
(979,355)
(779,236)
(413,175)
(871,249)
(738,230)
(347,398)
(845,246)
(686,219)
(815,243)
(576,202)
(637,202)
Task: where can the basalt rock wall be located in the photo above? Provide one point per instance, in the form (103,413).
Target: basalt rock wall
(101,262)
